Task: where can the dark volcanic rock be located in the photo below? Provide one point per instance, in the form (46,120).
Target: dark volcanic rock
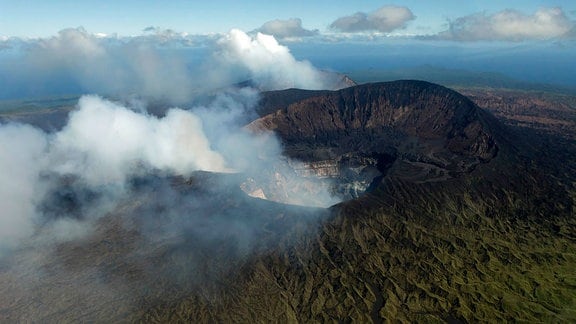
(434,132)
(271,101)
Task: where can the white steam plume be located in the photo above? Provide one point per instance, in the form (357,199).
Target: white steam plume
(263,61)
(105,144)
(107,174)
(109,142)
(22,150)
(102,146)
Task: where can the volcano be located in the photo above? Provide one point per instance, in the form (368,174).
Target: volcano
(445,214)
(411,131)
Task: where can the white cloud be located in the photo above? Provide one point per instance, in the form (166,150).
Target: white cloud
(263,61)
(290,28)
(510,25)
(385,19)
(76,61)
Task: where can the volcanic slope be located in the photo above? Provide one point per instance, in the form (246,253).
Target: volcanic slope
(487,236)
(410,131)
(379,117)
(462,221)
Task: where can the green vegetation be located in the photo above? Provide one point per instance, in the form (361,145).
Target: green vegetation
(454,259)
(434,258)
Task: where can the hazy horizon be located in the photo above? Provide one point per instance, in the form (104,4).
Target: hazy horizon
(51,54)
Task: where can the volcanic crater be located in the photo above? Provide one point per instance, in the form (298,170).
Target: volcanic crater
(348,141)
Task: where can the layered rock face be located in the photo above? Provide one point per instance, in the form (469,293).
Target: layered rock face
(389,112)
(354,137)
(313,183)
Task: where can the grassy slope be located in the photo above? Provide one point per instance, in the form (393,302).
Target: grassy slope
(432,263)
(481,251)
(489,248)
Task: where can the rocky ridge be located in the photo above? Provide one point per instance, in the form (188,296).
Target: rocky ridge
(353,137)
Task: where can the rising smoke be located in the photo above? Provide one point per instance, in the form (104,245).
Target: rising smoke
(85,170)
(265,62)
(89,207)
(22,152)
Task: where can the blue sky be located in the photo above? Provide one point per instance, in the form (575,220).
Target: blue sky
(40,18)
